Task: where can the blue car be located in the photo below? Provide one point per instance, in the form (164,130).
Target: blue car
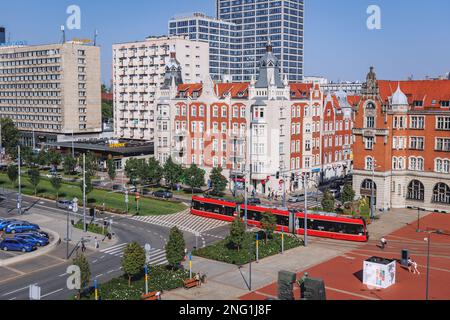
(21,227)
(34,240)
(16,245)
(39,234)
(5,222)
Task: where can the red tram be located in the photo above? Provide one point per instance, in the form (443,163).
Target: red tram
(319,225)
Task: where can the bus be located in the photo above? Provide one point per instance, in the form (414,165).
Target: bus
(319,224)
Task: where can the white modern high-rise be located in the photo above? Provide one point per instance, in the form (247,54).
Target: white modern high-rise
(138,68)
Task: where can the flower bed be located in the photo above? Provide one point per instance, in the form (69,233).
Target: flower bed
(222,251)
(160,278)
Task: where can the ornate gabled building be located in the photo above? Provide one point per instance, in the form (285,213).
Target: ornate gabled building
(254,129)
(402,139)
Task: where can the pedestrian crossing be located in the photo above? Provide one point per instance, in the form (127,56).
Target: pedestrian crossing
(185,221)
(156,256)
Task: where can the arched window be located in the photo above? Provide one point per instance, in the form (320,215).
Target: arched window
(368,184)
(370,106)
(369,163)
(394,163)
(416,191)
(438,165)
(441,193)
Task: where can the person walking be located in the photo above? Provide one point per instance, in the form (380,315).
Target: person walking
(96,243)
(383,243)
(412,266)
(83,247)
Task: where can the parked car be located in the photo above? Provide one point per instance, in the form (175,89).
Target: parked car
(253,201)
(3,168)
(163,194)
(39,233)
(16,245)
(34,240)
(336,193)
(5,222)
(297,198)
(64,204)
(21,227)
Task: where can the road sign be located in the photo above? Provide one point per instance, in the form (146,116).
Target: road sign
(75,205)
(35,292)
(147,247)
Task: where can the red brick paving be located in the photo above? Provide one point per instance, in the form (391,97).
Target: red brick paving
(343,274)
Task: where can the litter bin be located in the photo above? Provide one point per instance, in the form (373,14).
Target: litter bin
(405,256)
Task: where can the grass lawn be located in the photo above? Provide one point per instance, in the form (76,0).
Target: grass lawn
(114,202)
(222,251)
(159,279)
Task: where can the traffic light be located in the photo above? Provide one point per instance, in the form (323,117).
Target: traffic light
(277,175)
(292,176)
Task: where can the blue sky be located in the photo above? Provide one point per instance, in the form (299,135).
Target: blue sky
(414,39)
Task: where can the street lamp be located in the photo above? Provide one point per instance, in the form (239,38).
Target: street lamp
(428,240)
(418,217)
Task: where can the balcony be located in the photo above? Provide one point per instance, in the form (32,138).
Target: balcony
(368,132)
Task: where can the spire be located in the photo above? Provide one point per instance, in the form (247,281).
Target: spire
(269,46)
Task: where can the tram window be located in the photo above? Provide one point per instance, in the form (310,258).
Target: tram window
(214,208)
(253,215)
(282,220)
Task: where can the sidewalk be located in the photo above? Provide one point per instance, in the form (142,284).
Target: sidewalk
(227,282)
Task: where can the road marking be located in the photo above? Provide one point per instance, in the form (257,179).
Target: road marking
(50,293)
(7,294)
(110,271)
(95,261)
(352,293)
(100,275)
(62,275)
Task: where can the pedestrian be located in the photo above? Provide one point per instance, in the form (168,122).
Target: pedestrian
(383,243)
(412,266)
(97,245)
(83,247)
(158,295)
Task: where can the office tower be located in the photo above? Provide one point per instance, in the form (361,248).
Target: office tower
(51,89)
(138,67)
(279,20)
(252,23)
(224,42)
(2,35)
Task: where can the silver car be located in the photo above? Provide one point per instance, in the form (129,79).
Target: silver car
(64,204)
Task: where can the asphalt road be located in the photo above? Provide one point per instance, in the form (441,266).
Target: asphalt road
(104,266)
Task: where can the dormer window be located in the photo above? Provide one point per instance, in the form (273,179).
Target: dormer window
(445,103)
(418,103)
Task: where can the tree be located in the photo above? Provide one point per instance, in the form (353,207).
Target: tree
(133,260)
(172,172)
(348,194)
(26,154)
(13,173)
(54,158)
(34,177)
(81,261)
(42,158)
(175,248)
(218,181)
(56,184)
(328,201)
(89,186)
(111,169)
(268,223)
(237,233)
(10,136)
(91,164)
(107,110)
(69,164)
(194,177)
(153,172)
(133,169)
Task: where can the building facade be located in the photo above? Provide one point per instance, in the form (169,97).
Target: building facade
(51,90)
(254,129)
(402,137)
(2,35)
(138,68)
(240,31)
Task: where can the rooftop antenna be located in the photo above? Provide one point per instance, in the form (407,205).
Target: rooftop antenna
(63,34)
(95,37)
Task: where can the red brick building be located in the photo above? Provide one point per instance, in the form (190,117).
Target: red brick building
(402,143)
